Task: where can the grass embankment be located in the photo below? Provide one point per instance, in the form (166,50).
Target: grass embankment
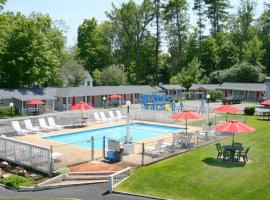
(197,175)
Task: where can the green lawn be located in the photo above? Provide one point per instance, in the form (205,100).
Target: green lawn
(197,175)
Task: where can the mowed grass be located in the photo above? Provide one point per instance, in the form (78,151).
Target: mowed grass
(197,175)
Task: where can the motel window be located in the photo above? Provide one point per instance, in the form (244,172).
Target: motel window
(64,100)
(88,99)
(88,83)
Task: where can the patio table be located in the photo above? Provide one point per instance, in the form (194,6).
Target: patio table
(232,149)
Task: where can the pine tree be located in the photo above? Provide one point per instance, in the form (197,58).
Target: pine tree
(198,7)
(216,11)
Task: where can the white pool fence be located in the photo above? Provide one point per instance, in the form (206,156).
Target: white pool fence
(25,154)
(118,177)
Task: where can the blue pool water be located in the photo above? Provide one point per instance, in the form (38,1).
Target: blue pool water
(138,131)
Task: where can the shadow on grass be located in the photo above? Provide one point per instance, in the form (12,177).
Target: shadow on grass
(263,119)
(221,163)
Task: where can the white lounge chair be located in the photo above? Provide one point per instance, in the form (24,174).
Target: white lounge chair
(18,128)
(119,115)
(30,127)
(44,126)
(97,117)
(112,116)
(53,124)
(103,117)
(158,149)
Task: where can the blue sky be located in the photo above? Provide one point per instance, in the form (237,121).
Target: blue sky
(74,12)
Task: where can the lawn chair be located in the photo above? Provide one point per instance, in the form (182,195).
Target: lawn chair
(243,154)
(157,149)
(44,126)
(103,117)
(53,124)
(97,117)
(112,116)
(18,128)
(119,115)
(28,126)
(219,150)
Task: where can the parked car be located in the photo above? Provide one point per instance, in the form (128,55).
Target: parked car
(232,100)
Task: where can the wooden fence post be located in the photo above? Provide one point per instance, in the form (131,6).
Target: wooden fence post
(51,165)
(143,154)
(104,142)
(92,148)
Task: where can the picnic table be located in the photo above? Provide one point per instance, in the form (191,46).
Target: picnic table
(266,115)
(232,149)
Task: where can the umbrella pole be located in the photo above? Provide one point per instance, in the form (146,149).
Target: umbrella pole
(233,140)
(226,116)
(186,126)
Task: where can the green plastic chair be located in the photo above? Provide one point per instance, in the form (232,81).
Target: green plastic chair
(219,150)
(244,155)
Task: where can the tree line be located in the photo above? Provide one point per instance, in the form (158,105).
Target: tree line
(150,42)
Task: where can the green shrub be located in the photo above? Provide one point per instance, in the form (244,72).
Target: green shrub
(216,95)
(63,170)
(249,110)
(15,181)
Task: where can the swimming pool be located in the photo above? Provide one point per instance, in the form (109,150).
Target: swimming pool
(138,131)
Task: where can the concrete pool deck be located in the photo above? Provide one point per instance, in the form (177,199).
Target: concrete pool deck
(71,154)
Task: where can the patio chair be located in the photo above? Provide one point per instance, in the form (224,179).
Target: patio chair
(219,150)
(157,149)
(97,117)
(237,144)
(103,117)
(30,127)
(18,128)
(112,116)
(119,115)
(44,126)
(53,124)
(243,154)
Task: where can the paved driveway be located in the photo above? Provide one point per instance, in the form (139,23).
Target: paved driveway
(87,192)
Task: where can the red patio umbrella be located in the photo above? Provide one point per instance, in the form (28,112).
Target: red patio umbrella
(266,102)
(115,96)
(227,109)
(82,106)
(233,126)
(185,115)
(34,102)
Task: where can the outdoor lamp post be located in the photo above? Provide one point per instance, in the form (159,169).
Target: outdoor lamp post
(128,103)
(11,106)
(208,101)
(104,100)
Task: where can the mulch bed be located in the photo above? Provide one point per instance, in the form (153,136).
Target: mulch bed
(97,167)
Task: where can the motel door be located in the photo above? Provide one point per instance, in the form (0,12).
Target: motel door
(73,101)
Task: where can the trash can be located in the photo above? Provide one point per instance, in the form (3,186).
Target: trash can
(112,156)
(119,154)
